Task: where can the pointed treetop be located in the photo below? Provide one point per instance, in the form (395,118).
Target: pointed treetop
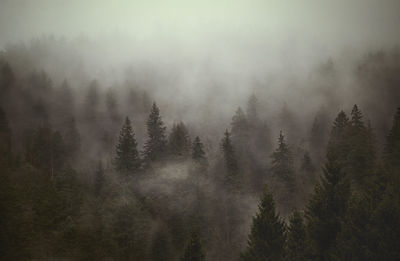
(356,117)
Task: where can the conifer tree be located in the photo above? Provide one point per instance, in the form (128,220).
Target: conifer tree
(231,163)
(392,146)
(338,145)
(306,164)
(239,126)
(296,246)
(267,237)
(194,250)
(282,162)
(326,209)
(5,138)
(127,159)
(156,144)
(179,140)
(198,154)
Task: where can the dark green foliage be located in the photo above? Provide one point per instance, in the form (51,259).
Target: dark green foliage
(296,246)
(45,150)
(127,160)
(194,250)
(282,161)
(326,210)
(5,139)
(231,164)
(267,236)
(156,144)
(392,146)
(179,141)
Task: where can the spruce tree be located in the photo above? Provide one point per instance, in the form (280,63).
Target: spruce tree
(392,146)
(198,154)
(296,246)
(231,163)
(127,159)
(239,127)
(282,162)
(194,250)
(306,164)
(179,141)
(156,144)
(326,209)
(267,237)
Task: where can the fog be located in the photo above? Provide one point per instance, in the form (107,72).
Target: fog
(77,68)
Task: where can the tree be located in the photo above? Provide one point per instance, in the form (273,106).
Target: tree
(267,236)
(179,140)
(239,126)
(392,146)
(156,144)
(338,145)
(127,160)
(282,162)
(194,250)
(112,106)
(198,154)
(231,163)
(5,138)
(306,164)
(296,246)
(326,209)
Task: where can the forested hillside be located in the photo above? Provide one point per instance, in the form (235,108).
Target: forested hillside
(117,170)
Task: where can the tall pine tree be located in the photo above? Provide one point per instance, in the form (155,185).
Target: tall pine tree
(179,141)
(231,163)
(156,144)
(267,237)
(282,161)
(127,159)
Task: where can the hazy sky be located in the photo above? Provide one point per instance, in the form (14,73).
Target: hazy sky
(370,22)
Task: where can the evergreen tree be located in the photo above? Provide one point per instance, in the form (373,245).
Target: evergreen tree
(155,146)
(239,127)
(296,246)
(127,159)
(179,140)
(5,138)
(231,163)
(194,250)
(338,147)
(361,158)
(392,146)
(282,162)
(112,106)
(326,209)
(267,236)
(198,154)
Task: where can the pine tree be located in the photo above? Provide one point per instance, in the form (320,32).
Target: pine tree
(194,250)
(127,160)
(338,147)
(326,209)
(5,138)
(239,126)
(156,144)
(179,140)
(392,146)
(198,154)
(231,163)
(112,106)
(267,236)
(296,246)
(282,162)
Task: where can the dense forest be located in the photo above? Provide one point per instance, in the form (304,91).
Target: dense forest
(92,170)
